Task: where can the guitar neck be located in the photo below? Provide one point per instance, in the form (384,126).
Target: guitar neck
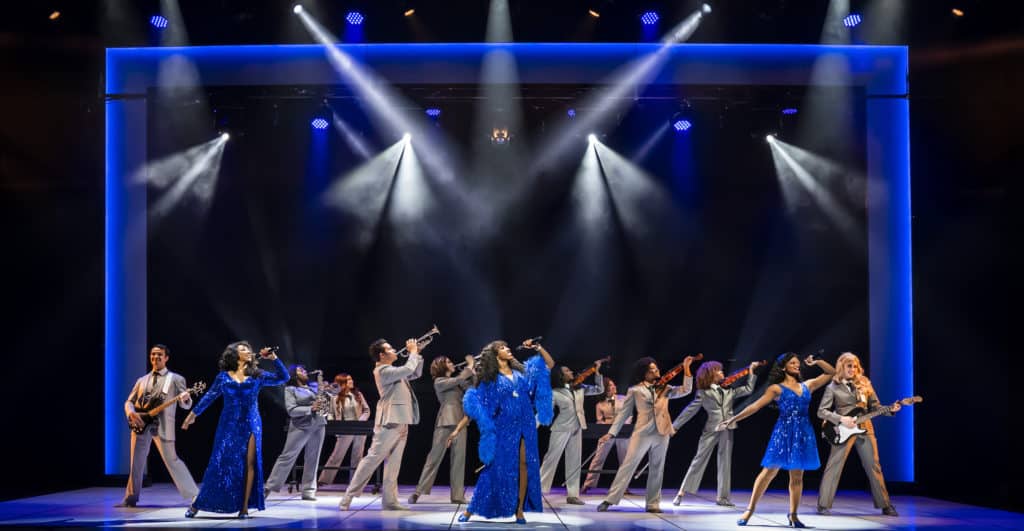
(156,411)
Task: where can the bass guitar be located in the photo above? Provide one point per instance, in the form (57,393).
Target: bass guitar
(149,414)
(839,434)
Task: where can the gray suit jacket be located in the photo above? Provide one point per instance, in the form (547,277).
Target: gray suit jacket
(166,420)
(397,404)
(652,417)
(449,390)
(570,405)
(298,402)
(839,401)
(718,404)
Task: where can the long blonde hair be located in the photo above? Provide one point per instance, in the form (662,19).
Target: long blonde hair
(860,382)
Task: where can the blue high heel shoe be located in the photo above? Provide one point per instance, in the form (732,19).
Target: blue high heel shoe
(464,517)
(191,512)
(521,521)
(743,521)
(794,521)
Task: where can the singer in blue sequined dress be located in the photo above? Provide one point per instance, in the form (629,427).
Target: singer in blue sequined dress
(508,401)
(792,446)
(236,463)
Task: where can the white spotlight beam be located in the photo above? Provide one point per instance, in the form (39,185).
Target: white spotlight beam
(191,173)
(362,193)
(619,94)
(352,137)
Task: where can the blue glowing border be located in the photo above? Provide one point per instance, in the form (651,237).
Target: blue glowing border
(881,70)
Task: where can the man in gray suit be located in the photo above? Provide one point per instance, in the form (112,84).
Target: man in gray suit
(450,391)
(652,428)
(151,390)
(396,410)
(717,401)
(306,428)
(849,390)
(567,431)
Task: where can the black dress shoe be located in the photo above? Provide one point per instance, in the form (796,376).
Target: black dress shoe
(413,498)
(572,500)
(655,510)
(603,507)
(126,503)
(824,511)
(308,497)
(890,511)
(725,503)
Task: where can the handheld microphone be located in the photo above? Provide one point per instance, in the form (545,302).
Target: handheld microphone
(535,341)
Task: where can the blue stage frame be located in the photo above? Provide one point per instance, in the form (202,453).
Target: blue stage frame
(880,70)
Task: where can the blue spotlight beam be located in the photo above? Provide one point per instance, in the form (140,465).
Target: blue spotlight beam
(881,70)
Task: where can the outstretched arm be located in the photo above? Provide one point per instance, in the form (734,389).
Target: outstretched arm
(770,394)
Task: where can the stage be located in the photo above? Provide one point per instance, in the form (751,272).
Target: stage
(161,506)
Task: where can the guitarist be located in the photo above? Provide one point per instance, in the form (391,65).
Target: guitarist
(149,391)
(849,390)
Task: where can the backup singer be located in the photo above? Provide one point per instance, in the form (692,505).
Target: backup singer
(306,425)
(851,389)
(507,402)
(450,391)
(236,462)
(651,431)
(567,430)
(607,408)
(792,446)
(396,410)
(717,402)
(154,388)
(348,405)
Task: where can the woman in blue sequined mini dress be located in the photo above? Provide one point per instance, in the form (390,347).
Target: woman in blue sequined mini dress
(793,446)
(236,460)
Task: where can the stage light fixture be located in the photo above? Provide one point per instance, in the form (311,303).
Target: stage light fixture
(789,110)
(591,138)
(649,18)
(500,136)
(319,123)
(682,125)
(593,13)
(770,137)
(55,15)
(225,136)
(354,17)
(851,20)
(158,22)
(958,12)
(571,113)
(433,112)
(297,9)
(706,9)
(409,12)
(406,137)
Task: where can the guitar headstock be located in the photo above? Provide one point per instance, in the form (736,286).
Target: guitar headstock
(197,389)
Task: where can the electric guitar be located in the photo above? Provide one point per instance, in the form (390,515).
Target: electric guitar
(839,434)
(149,414)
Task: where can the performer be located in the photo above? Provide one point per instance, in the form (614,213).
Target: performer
(567,430)
(848,390)
(507,402)
(792,445)
(306,425)
(606,411)
(450,392)
(396,410)
(717,402)
(348,405)
(152,389)
(236,463)
(651,431)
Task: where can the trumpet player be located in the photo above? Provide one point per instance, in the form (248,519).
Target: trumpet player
(306,426)
(396,410)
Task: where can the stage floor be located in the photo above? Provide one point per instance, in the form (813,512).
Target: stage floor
(161,506)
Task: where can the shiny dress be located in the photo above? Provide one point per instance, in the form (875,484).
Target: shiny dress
(224,481)
(507,411)
(792,445)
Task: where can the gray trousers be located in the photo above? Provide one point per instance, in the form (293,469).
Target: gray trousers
(570,442)
(867,450)
(387,447)
(708,441)
(180,475)
(655,447)
(456,463)
(341,445)
(310,441)
(603,448)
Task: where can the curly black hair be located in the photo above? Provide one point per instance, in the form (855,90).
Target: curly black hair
(778,372)
(229,359)
(487,367)
(640,370)
(557,380)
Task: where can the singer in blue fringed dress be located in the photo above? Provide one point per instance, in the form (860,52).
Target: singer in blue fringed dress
(508,401)
(236,462)
(792,446)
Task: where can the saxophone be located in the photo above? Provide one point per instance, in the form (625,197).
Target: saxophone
(324,394)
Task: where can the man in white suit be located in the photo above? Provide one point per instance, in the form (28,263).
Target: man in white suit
(396,410)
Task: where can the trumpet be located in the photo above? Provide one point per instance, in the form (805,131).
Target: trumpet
(462,364)
(422,342)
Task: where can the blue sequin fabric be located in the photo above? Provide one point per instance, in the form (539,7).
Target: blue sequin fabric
(507,411)
(224,481)
(793,445)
